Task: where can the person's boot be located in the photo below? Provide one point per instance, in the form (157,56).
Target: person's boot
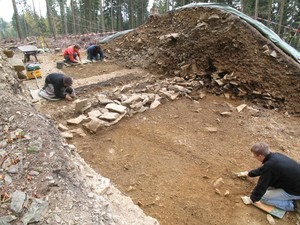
(297,206)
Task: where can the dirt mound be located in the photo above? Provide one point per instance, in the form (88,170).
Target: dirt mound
(227,54)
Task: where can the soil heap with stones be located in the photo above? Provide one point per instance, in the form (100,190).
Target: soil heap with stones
(225,53)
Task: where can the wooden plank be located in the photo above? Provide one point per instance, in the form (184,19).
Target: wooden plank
(279,213)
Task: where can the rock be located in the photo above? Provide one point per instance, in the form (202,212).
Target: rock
(217,191)
(5,220)
(270,219)
(33,173)
(62,127)
(7,180)
(179,88)
(67,135)
(226,114)
(218,182)
(94,113)
(241,107)
(110,116)
(17,200)
(13,169)
(3,144)
(211,129)
(103,99)
(79,132)
(35,146)
(36,212)
(80,104)
(226,193)
(132,99)
(154,104)
(77,120)
(116,107)
(94,125)
(273,54)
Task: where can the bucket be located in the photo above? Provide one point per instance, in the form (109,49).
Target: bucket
(59,65)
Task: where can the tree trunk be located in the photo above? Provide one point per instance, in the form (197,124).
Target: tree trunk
(282,3)
(131,15)
(17,19)
(89,14)
(242,5)
(167,5)
(73,17)
(63,16)
(102,24)
(34,12)
(112,15)
(256,9)
(269,12)
(66,19)
(119,15)
(50,20)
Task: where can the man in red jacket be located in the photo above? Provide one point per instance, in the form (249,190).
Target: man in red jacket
(71,54)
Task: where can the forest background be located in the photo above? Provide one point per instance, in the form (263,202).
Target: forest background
(75,17)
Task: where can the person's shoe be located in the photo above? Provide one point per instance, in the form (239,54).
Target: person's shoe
(297,206)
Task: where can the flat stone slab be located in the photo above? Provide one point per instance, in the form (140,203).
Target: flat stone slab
(110,116)
(116,108)
(94,125)
(94,113)
(77,120)
(80,104)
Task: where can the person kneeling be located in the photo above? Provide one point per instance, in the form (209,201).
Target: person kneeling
(279,179)
(58,86)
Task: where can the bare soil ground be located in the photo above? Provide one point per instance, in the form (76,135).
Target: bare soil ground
(168,159)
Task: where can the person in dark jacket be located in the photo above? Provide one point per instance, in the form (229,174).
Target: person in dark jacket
(94,52)
(58,85)
(279,179)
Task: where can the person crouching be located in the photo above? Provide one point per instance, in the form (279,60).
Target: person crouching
(58,86)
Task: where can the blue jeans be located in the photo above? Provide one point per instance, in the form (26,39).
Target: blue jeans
(280,199)
(98,56)
(67,58)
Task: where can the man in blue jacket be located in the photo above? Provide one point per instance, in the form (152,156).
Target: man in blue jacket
(279,179)
(94,52)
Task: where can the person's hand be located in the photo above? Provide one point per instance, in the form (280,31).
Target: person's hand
(247,200)
(69,98)
(242,174)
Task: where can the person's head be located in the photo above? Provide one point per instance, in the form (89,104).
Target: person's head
(76,47)
(260,150)
(68,81)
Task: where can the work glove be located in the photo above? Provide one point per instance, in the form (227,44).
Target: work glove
(247,200)
(242,174)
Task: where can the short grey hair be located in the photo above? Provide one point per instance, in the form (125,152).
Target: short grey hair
(260,148)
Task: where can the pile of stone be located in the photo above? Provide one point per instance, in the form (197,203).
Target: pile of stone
(109,107)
